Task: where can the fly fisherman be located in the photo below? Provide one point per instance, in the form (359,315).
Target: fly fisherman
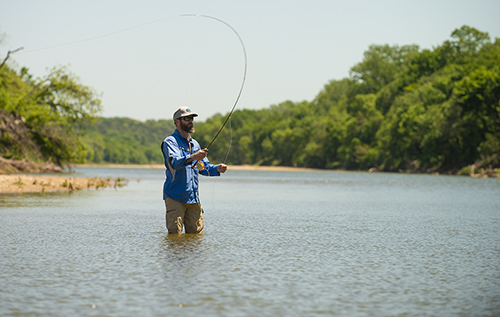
(184,160)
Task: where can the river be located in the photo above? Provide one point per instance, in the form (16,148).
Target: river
(309,243)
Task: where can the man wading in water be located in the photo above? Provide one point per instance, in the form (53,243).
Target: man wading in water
(182,155)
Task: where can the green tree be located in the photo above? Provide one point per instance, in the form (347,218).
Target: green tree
(126,141)
(468,41)
(380,65)
(401,109)
(50,109)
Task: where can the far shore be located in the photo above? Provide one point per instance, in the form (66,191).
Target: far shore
(22,182)
(479,173)
(230,167)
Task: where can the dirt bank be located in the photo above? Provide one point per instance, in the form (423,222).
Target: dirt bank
(42,183)
(8,166)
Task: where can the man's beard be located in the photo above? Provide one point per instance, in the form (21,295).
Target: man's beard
(185,127)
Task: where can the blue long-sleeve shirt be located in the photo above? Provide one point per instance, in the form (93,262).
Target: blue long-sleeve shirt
(181,182)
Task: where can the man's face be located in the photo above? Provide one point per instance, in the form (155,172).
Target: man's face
(186,124)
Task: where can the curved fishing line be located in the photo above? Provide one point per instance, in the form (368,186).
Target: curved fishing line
(157,21)
(225,160)
(230,141)
(236,101)
(161,20)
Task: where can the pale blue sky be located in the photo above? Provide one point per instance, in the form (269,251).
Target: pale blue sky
(294,48)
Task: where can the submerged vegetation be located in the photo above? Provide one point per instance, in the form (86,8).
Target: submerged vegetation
(402,108)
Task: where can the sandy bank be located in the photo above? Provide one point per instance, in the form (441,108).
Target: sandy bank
(42,183)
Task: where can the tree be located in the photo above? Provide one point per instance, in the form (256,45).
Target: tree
(50,109)
(380,65)
(468,41)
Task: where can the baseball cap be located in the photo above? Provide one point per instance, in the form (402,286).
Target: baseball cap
(184,112)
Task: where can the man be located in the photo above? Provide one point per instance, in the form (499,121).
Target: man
(180,191)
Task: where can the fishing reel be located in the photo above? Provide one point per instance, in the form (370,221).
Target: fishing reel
(200,166)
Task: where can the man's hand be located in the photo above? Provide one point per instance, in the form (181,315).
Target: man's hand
(221,168)
(198,156)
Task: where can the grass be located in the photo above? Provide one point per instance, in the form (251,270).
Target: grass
(19,182)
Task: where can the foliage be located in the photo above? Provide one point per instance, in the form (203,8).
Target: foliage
(401,109)
(126,141)
(39,116)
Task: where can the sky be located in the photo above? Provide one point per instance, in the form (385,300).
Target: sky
(145,59)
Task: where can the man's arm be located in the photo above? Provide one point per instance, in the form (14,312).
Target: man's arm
(198,156)
(176,157)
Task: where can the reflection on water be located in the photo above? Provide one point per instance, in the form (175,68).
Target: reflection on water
(180,251)
(286,244)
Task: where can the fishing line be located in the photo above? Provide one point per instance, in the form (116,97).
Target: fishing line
(157,21)
(201,166)
(230,141)
(225,160)
(96,37)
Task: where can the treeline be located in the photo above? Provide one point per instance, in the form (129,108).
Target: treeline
(126,141)
(402,108)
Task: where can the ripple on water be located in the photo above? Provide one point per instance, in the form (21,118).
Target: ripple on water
(357,245)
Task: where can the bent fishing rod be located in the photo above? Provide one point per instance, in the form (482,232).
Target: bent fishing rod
(199,164)
(244,72)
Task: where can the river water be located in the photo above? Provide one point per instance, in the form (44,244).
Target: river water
(276,243)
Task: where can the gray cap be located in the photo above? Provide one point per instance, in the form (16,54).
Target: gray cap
(184,112)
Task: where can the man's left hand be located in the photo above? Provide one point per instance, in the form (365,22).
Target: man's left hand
(221,168)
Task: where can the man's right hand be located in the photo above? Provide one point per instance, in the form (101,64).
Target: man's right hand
(200,155)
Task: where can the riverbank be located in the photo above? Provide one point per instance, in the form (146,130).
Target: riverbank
(471,171)
(10,166)
(18,183)
(43,183)
(230,167)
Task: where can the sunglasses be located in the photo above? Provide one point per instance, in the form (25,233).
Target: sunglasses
(187,119)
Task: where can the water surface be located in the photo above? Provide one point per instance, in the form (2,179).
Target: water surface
(275,243)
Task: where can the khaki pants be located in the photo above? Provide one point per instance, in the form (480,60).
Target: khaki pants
(179,214)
